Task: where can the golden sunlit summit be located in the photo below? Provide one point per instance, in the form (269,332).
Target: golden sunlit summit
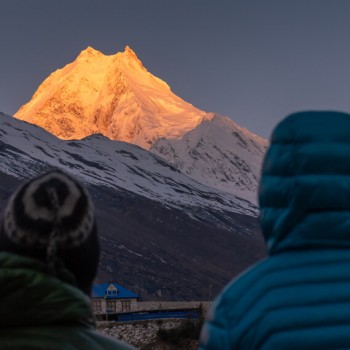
(113,95)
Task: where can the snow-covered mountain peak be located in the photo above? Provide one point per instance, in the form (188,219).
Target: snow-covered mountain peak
(110,94)
(130,55)
(115,95)
(89,52)
(218,153)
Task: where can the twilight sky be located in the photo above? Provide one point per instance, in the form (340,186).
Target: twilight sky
(254,61)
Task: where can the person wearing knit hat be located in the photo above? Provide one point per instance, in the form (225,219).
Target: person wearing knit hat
(49,253)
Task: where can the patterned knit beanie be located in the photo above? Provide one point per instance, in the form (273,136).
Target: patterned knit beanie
(51,218)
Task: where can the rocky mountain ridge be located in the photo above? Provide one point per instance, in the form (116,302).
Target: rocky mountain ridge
(163,235)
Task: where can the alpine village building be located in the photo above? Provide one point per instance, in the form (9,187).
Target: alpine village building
(111,299)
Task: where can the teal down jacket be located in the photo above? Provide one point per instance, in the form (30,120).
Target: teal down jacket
(299,297)
(41,312)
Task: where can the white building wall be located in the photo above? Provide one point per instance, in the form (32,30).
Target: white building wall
(118,302)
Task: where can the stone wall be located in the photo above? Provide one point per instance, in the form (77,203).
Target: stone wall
(139,333)
(143,334)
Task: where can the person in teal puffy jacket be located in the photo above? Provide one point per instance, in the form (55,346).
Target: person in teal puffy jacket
(49,255)
(299,296)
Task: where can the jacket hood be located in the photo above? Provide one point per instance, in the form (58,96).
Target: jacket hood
(29,296)
(304,192)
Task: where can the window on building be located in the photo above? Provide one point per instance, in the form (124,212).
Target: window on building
(111,306)
(96,306)
(126,305)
